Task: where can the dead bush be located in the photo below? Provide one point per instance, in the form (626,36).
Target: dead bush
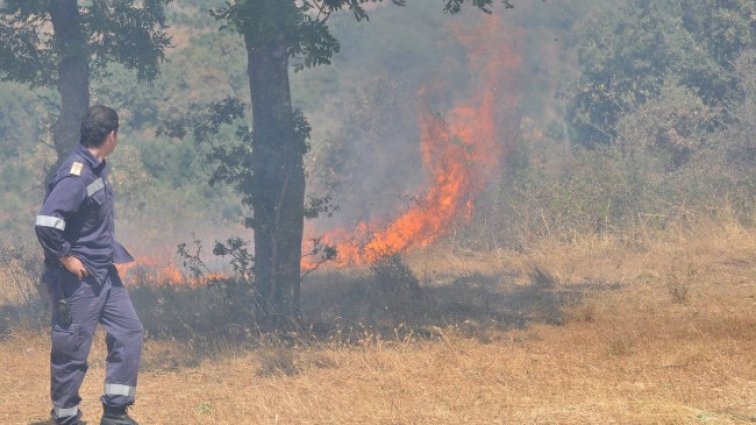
(392,274)
(23,299)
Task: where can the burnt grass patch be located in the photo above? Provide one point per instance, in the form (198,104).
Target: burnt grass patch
(386,301)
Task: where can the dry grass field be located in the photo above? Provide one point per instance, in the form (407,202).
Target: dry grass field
(656,331)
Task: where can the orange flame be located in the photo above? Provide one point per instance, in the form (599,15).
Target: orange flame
(460,153)
(150,270)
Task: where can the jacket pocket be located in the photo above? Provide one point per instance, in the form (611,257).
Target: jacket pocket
(99,197)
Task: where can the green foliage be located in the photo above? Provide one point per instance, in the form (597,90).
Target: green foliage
(161,181)
(16,127)
(234,162)
(455,6)
(675,148)
(629,54)
(204,125)
(263,22)
(20,58)
(23,122)
(632,190)
(127,32)
(241,258)
(672,126)
(303,24)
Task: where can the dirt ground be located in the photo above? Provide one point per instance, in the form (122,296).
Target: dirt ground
(662,332)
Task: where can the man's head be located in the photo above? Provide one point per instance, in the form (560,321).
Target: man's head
(99,128)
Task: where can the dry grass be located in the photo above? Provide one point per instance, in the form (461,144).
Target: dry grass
(672,343)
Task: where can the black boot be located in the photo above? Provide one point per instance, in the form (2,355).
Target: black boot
(116,416)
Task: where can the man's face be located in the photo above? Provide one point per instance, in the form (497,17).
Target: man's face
(110,142)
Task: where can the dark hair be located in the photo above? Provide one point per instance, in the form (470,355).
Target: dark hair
(97,124)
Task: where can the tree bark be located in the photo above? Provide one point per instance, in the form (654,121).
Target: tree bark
(278,179)
(73,74)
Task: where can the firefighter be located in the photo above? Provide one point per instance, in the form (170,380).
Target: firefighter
(75,228)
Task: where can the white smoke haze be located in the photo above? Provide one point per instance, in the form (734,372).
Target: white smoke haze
(366,113)
(368,155)
(463,84)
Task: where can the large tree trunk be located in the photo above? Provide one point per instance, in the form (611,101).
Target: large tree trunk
(278,182)
(73,74)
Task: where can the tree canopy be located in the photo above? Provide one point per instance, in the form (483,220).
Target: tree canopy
(630,53)
(128,32)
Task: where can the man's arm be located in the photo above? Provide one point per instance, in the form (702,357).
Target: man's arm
(63,202)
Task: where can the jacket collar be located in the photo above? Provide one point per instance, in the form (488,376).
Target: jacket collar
(93,163)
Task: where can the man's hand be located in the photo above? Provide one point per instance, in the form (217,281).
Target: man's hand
(75,266)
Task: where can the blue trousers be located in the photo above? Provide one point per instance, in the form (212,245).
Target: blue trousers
(77,308)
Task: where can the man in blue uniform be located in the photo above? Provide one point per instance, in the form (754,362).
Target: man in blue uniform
(75,228)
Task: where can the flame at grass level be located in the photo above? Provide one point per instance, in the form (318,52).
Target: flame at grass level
(149,270)
(460,153)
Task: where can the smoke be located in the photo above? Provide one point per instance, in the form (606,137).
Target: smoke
(459,150)
(412,147)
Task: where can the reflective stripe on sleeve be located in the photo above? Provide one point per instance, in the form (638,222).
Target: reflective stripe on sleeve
(95,186)
(50,221)
(63,412)
(120,389)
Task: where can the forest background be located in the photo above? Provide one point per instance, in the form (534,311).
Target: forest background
(604,273)
(612,130)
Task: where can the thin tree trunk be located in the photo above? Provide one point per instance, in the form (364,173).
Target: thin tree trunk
(73,74)
(278,182)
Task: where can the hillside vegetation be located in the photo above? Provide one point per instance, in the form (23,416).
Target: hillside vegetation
(605,274)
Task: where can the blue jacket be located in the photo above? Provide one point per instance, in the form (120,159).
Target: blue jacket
(77,216)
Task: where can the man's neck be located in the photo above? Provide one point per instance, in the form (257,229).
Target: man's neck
(97,153)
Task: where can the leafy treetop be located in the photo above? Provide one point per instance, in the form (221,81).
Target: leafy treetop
(130,32)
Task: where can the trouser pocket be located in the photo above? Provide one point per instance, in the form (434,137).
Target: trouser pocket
(67,341)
